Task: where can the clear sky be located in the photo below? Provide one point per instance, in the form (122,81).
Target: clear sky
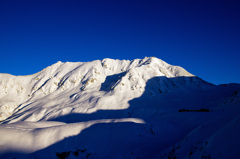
(202,36)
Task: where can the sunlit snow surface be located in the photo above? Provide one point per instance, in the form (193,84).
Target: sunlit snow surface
(117,109)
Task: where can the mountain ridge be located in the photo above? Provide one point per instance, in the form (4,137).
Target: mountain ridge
(69,99)
(61,76)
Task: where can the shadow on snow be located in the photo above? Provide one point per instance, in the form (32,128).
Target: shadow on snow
(158,107)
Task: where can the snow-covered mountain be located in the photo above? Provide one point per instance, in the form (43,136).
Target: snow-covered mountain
(144,108)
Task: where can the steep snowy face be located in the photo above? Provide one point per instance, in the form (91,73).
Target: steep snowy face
(92,74)
(14,91)
(86,87)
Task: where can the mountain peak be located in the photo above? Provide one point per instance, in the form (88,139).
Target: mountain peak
(132,103)
(99,76)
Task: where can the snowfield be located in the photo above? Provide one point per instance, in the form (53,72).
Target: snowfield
(144,108)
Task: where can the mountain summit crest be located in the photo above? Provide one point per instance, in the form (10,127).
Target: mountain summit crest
(107,74)
(143,108)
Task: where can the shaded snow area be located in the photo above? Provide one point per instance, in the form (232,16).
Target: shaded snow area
(139,109)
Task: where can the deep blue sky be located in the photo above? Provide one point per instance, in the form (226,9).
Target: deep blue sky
(201,36)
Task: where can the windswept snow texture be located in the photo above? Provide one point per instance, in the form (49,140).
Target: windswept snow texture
(117,109)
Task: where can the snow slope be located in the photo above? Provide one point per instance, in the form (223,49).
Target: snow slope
(117,109)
